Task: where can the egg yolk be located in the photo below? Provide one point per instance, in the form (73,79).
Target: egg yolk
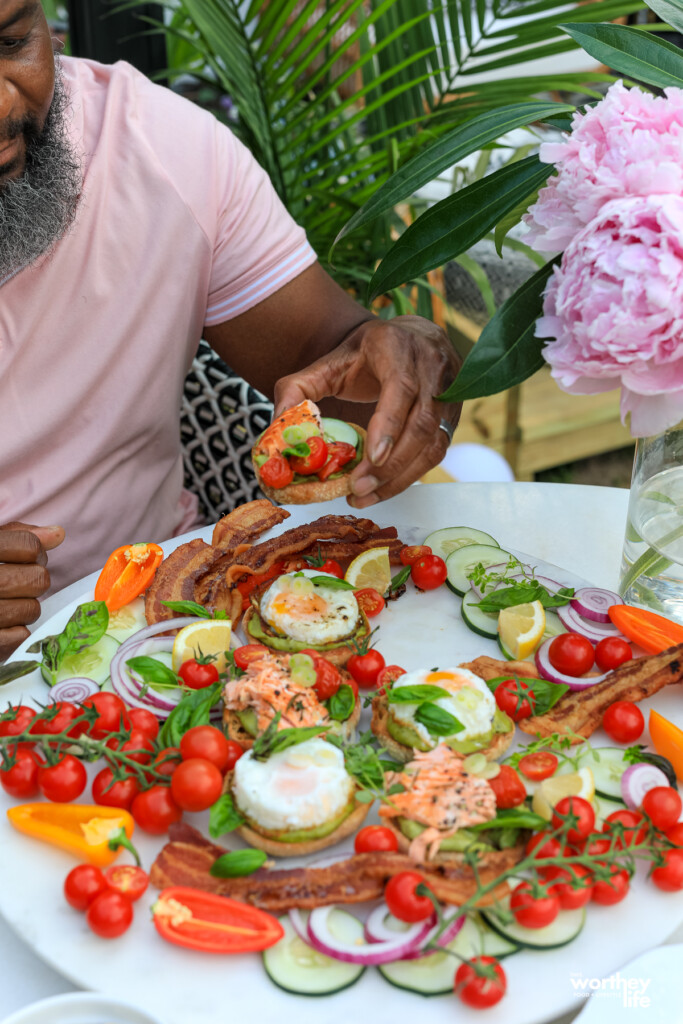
(300,606)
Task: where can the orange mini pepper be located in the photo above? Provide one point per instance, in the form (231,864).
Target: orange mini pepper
(82,829)
(667,739)
(654,633)
(127,573)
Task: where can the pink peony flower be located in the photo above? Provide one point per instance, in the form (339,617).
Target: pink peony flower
(629,144)
(614,310)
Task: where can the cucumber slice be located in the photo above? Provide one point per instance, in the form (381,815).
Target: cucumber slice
(603,807)
(433,975)
(93,662)
(564,929)
(461,562)
(127,620)
(296,967)
(338,430)
(451,538)
(483,623)
(607,769)
(553,625)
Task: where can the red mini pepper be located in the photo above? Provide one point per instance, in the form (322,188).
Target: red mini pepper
(127,573)
(213,924)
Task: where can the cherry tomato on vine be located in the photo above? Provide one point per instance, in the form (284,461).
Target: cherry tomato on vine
(571,654)
(196,674)
(108,793)
(247,653)
(18,720)
(167,760)
(669,876)
(59,718)
(675,834)
(110,914)
(428,572)
(305,465)
(365,668)
(64,781)
(629,826)
(21,780)
(276,472)
(609,892)
(596,847)
(373,838)
(196,784)
(82,885)
(112,714)
(611,652)
(127,879)
(370,601)
(663,806)
(516,698)
(533,911)
(410,554)
(209,743)
(403,901)
(573,890)
(539,765)
(542,845)
(580,809)
(144,721)
(138,747)
(508,787)
(623,721)
(155,810)
(480,988)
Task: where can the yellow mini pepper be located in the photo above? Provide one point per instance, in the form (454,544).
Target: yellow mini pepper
(667,739)
(82,829)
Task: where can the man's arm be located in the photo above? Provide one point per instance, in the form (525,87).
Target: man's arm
(311,340)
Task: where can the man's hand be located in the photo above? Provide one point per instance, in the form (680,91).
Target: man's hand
(400,364)
(23,578)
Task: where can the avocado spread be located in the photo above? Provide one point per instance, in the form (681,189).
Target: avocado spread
(284,643)
(409,737)
(304,835)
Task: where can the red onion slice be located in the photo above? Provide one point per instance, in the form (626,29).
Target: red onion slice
(550,673)
(377,930)
(637,780)
(162,627)
(594,603)
(74,690)
(128,686)
(576,623)
(321,938)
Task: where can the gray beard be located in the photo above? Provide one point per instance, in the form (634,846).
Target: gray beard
(37,209)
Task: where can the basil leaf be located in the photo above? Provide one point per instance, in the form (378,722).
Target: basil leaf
(546,694)
(341,704)
(416,694)
(333,582)
(87,625)
(299,451)
(224,816)
(399,579)
(188,608)
(237,863)
(437,721)
(16,669)
(152,671)
(192,709)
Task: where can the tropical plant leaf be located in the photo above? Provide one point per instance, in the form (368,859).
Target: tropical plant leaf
(632,52)
(670,11)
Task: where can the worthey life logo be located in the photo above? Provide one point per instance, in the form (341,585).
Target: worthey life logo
(630,991)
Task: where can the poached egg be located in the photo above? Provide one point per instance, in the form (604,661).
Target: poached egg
(310,613)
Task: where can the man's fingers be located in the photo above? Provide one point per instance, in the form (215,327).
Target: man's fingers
(21,546)
(18,611)
(48,536)
(10,640)
(23,580)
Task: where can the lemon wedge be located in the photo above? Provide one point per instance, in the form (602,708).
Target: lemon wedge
(552,790)
(201,639)
(370,568)
(521,628)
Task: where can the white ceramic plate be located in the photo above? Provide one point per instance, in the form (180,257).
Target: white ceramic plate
(183,987)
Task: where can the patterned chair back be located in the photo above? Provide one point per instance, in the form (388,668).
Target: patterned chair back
(220,419)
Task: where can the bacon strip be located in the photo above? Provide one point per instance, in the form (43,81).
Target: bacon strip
(176,577)
(187,858)
(246,522)
(492,668)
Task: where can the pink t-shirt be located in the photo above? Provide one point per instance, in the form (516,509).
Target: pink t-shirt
(178,228)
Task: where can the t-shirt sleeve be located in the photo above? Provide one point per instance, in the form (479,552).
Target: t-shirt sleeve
(258,247)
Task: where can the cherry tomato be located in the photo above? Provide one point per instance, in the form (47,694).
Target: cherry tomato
(110,914)
(629,826)
(579,808)
(196,675)
(112,714)
(167,760)
(138,747)
(387,676)
(21,780)
(533,911)
(196,784)
(572,890)
(328,678)
(428,572)
(597,847)
(607,893)
(339,454)
(209,743)
(128,879)
(16,720)
(60,715)
(64,781)
(108,793)
(623,721)
(373,838)
(611,652)
(539,765)
(82,885)
(669,876)
(370,601)
(276,472)
(365,668)
(305,465)
(508,787)
(675,834)
(663,806)
(542,845)
(410,554)
(247,653)
(480,989)
(571,654)
(155,810)
(516,698)
(332,567)
(402,899)
(144,721)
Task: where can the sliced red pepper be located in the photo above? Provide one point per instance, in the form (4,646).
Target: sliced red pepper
(127,573)
(339,453)
(250,583)
(654,633)
(213,924)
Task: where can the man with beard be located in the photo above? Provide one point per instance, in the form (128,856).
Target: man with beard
(132,224)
